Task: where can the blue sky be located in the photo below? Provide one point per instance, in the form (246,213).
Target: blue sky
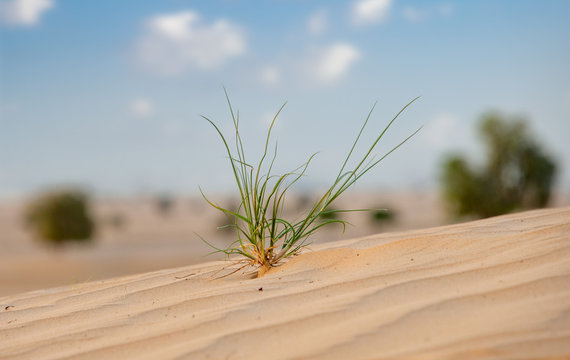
(107,94)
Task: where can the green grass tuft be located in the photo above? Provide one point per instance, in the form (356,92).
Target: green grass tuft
(264,237)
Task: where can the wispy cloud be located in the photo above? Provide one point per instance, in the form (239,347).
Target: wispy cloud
(270,75)
(442,128)
(365,12)
(412,14)
(415,15)
(141,108)
(175,43)
(317,23)
(23,12)
(267,117)
(445,9)
(333,63)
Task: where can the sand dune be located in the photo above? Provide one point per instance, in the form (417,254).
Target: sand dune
(491,289)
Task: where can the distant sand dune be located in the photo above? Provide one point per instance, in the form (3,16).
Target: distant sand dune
(490,289)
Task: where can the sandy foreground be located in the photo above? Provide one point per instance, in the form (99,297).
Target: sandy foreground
(495,288)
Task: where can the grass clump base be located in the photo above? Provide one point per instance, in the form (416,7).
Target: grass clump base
(264,237)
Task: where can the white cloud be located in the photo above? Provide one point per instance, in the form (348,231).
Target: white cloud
(23,12)
(412,14)
(141,108)
(270,75)
(415,15)
(446,10)
(332,63)
(442,130)
(177,42)
(366,12)
(268,116)
(317,23)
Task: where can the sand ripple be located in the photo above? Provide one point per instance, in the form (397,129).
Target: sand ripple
(491,289)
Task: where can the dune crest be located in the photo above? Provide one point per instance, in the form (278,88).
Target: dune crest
(488,289)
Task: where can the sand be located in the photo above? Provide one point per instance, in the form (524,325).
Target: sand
(492,289)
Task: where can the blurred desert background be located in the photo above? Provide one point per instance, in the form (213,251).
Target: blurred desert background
(105,99)
(137,235)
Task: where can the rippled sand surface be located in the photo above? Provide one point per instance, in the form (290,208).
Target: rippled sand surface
(490,289)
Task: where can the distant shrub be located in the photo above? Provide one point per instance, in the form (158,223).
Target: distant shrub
(382,216)
(517,175)
(164,204)
(226,223)
(330,213)
(117,220)
(225,226)
(304,201)
(59,217)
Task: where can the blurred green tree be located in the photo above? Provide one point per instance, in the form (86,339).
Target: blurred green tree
(62,216)
(517,175)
